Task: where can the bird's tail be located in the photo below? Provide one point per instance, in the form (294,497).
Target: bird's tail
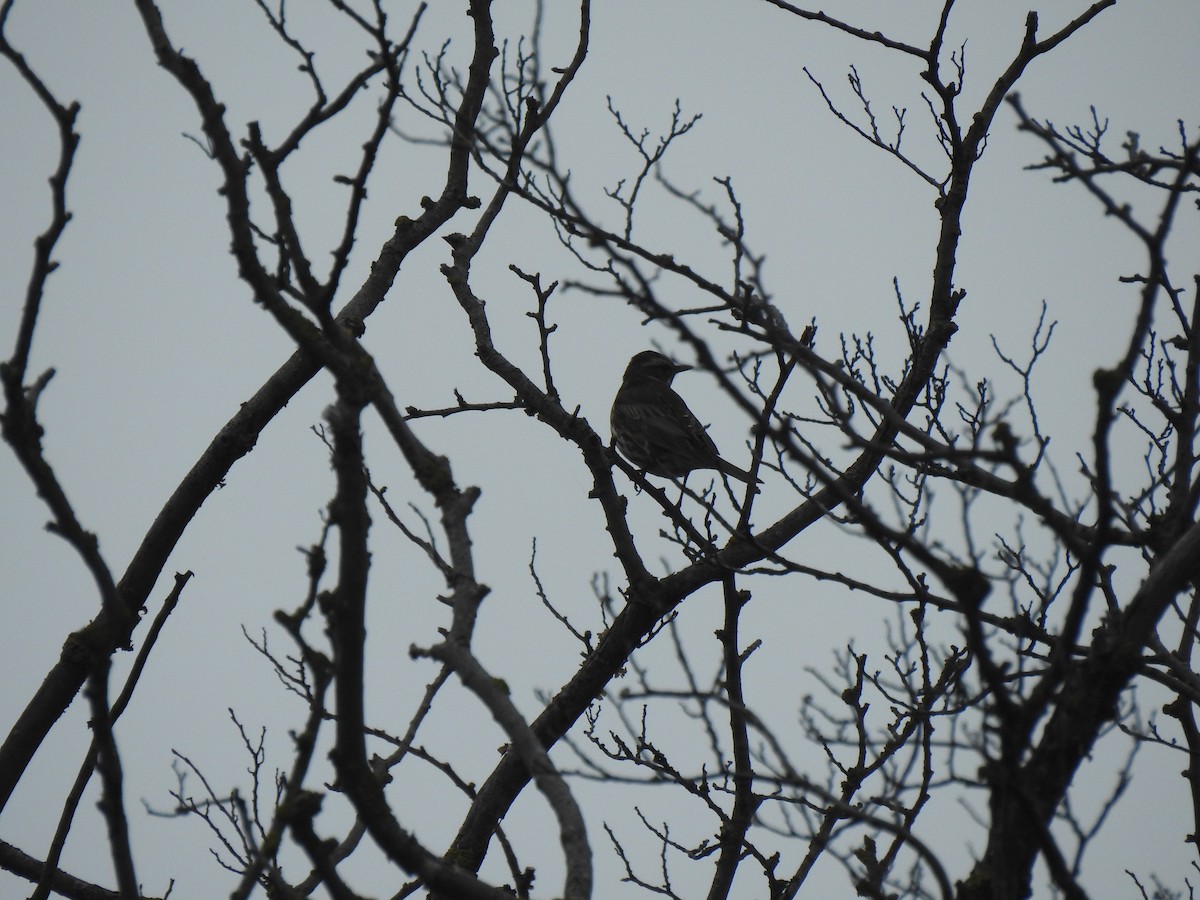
(734,472)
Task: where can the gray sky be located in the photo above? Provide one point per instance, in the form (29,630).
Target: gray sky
(155,344)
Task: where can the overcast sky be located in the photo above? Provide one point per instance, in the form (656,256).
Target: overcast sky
(155,343)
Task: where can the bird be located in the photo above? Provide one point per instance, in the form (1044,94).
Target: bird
(654,429)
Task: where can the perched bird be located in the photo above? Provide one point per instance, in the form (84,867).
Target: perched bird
(653,428)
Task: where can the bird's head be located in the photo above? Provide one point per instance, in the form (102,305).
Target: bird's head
(652,366)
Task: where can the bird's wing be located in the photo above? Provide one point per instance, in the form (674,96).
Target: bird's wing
(654,429)
(664,424)
(688,428)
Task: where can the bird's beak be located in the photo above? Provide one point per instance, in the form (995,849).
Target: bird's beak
(679,367)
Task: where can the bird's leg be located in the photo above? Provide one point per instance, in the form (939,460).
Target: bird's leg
(682,493)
